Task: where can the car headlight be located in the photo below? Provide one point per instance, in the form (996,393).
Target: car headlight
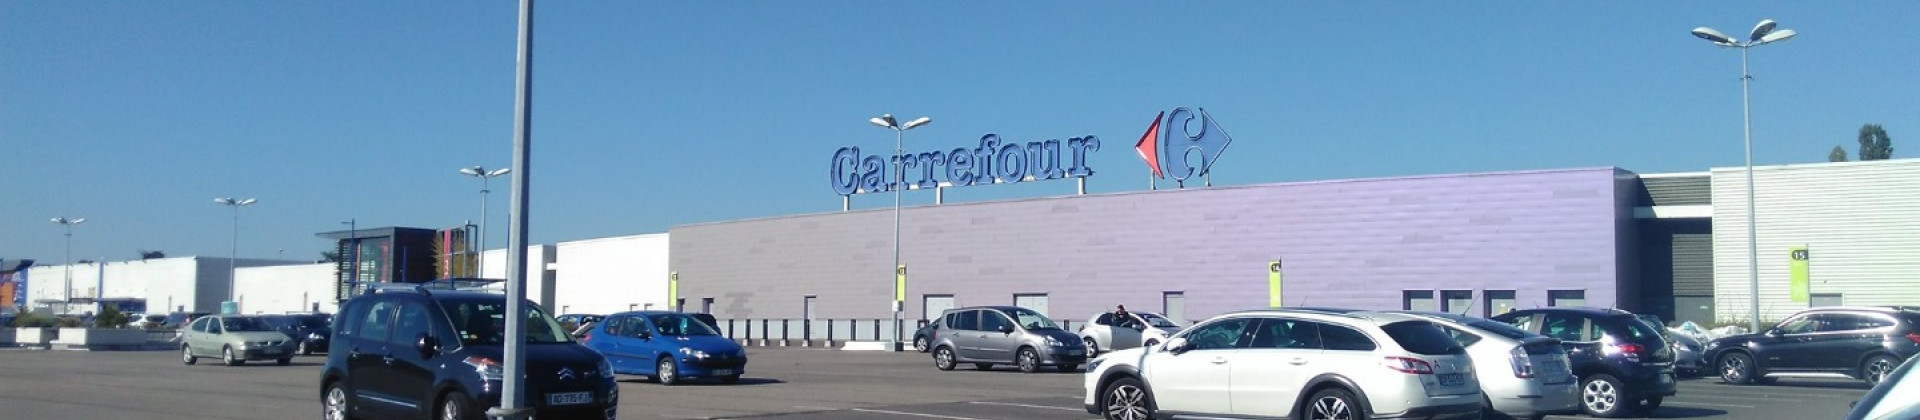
(606,369)
(315,336)
(1055,342)
(1094,364)
(697,354)
(489,369)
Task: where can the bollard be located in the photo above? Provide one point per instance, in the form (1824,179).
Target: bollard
(764,334)
(829,332)
(783,332)
(806,333)
(876,331)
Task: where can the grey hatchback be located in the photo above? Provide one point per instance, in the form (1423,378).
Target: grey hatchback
(998,335)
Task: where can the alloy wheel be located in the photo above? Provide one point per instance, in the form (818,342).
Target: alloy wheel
(943,358)
(1878,369)
(1028,361)
(450,410)
(1330,408)
(1126,401)
(920,344)
(1599,396)
(667,372)
(336,404)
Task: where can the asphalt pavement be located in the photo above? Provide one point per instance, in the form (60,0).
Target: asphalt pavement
(781,383)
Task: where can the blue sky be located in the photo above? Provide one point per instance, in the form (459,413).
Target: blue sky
(647,115)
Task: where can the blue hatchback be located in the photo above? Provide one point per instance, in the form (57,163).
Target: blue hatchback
(671,347)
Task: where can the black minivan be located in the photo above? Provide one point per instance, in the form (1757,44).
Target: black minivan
(1624,365)
(419,354)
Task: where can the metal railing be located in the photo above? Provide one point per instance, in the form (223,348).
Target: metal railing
(824,331)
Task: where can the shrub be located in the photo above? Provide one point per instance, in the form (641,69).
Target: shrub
(71,322)
(110,317)
(33,320)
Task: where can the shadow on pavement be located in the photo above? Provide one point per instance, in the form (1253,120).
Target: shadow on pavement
(1684,413)
(701,382)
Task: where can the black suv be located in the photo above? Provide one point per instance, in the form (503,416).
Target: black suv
(1861,342)
(417,354)
(1623,364)
(311,330)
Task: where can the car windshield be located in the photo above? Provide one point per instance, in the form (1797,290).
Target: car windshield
(680,325)
(1501,328)
(1157,321)
(484,321)
(1031,320)
(278,322)
(1421,337)
(244,324)
(1640,332)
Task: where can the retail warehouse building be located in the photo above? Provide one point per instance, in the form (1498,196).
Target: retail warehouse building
(1672,244)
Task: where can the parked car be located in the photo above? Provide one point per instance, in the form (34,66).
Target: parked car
(178,320)
(310,331)
(1897,397)
(147,322)
(1862,342)
(923,337)
(1623,365)
(1119,333)
(418,353)
(1541,380)
(1688,358)
(670,347)
(1280,363)
(235,339)
(998,335)
(578,324)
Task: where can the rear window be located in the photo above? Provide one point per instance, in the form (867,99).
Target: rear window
(1637,331)
(1422,337)
(1501,328)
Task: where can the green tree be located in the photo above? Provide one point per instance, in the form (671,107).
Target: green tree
(1837,155)
(1874,143)
(110,317)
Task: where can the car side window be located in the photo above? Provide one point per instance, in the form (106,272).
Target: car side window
(349,318)
(1853,322)
(1335,337)
(414,320)
(375,325)
(965,320)
(634,326)
(1225,334)
(200,325)
(1800,325)
(1563,327)
(1594,332)
(613,325)
(1105,319)
(994,321)
(1278,333)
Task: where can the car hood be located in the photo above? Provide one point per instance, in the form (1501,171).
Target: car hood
(544,357)
(706,343)
(1057,334)
(255,336)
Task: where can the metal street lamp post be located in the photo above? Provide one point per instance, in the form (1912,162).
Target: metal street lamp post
(353,257)
(67,295)
(1762,34)
(479,255)
(234,255)
(899,183)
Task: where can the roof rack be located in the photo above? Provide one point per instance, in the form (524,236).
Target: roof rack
(400,287)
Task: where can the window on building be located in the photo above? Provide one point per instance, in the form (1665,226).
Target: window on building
(1035,301)
(1825,299)
(1498,302)
(1456,301)
(1566,298)
(1417,300)
(1174,305)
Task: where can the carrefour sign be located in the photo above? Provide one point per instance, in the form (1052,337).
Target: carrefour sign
(993,161)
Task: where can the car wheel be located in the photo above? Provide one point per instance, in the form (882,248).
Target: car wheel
(334,406)
(1877,368)
(226,355)
(1736,368)
(1126,399)
(920,344)
(284,361)
(1488,413)
(1600,396)
(304,351)
(1027,360)
(668,372)
(1093,347)
(456,407)
(943,358)
(186,356)
(983,366)
(1333,404)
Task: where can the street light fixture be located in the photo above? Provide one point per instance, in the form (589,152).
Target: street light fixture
(233,256)
(1762,34)
(479,255)
(68,223)
(899,183)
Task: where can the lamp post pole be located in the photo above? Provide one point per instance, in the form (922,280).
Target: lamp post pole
(899,184)
(486,178)
(234,254)
(66,295)
(353,261)
(1762,34)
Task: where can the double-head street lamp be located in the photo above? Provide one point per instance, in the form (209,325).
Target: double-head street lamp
(479,257)
(234,255)
(1762,34)
(68,223)
(899,183)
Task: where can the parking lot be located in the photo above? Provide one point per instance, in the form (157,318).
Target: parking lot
(782,383)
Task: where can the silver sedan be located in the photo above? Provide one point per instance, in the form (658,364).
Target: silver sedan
(1523,375)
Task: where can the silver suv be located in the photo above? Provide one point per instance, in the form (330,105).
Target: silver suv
(1290,364)
(999,335)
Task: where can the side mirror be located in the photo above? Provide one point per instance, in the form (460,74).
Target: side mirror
(1178,345)
(1773,332)
(1006,329)
(427,345)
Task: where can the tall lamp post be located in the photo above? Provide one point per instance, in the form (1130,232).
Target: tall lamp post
(1762,34)
(234,255)
(479,255)
(353,257)
(899,183)
(67,295)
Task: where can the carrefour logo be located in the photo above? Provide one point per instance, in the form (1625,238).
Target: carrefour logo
(1178,138)
(994,161)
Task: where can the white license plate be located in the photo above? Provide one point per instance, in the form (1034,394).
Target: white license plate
(569,398)
(1452,379)
(722,372)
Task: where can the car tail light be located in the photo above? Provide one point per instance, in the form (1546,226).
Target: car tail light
(588,338)
(1522,364)
(1409,365)
(1632,351)
(1914,337)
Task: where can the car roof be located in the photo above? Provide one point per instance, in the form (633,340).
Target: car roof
(1439,315)
(1578,310)
(643,312)
(1360,315)
(1874,309)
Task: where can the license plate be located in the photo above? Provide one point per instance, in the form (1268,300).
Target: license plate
(722,372)
(270,351)
(1452,379)
(1076,352)
(569,398)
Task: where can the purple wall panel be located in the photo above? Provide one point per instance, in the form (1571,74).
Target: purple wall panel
(1353,243)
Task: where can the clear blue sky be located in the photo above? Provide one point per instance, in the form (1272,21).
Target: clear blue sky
(647,115)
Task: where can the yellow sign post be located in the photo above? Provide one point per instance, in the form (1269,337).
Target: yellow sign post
(1273,284)
(673,288)
(900,283)
(1797,278)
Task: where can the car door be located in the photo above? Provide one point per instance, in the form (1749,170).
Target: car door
(410,372)
(1843,340)
(997,338)
(607,339)
(1787,346)
(963,328)
(1571,330)
(647,344)
(196,336)
(1100,330)
(1266,377)
(371,380)
(1126,332)
(1196,379)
